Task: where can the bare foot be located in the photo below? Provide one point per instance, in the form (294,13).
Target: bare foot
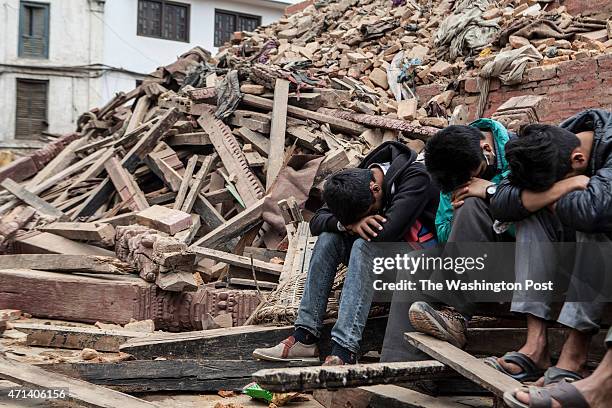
(592,391)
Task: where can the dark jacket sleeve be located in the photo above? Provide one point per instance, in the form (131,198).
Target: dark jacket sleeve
(323,221)
(589,210)
(408,202)
(506,204)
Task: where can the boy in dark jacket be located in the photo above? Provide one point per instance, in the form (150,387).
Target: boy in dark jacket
(559,189)
(389,197)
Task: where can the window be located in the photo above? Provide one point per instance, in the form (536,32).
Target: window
(31,117)
(163,19)
(228,22)
(34,30)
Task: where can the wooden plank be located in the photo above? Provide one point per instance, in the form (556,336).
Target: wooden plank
(126,186)
(393,396)
(92,171)
(232,228)
(77,338)
(278,129)
(58,163)
(320,377)
(164,219)
(167,375)
(465,364)
(184,187)
(219,196)
(228,149)
(114,299)
(237,343)
(35,242)
(139,112)
(83,231)
(260,143)
(211,218)
(79,391)
(130,161)
(238,260)
(66,263)
(31,199)
(198,182)
(189,234)
(189,139)
(341,125)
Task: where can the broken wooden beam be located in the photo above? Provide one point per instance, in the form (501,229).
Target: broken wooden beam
(278,130)
(77,338)
(126,185)
(35,242)
(465,364)
(339,124)
(31,199)
(76,390)
(232,228)
(238,260)
(67,263)
(167,375)
(196,185)
(187,178)
(83,231)
(248,185)
(321,377)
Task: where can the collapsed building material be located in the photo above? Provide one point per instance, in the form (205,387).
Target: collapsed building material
(78,338)
(166,375)
(75,390)
(67,263)
(119,299)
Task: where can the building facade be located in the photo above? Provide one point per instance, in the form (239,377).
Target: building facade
(59,58)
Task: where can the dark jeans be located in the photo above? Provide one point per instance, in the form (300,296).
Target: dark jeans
(472,222)
(331,250)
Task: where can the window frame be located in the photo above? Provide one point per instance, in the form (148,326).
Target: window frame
(163,3)
(46,83)
(23,4)
(237,15)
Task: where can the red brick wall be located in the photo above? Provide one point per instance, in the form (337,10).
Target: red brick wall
(569,87)
(586,7)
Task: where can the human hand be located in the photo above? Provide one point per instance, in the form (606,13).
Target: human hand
(476,187)
(367,226)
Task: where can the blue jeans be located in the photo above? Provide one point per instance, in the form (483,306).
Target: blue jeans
(330,250)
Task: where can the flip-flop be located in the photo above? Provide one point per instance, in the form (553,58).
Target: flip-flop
(530,372)
(555,374)
(539,397)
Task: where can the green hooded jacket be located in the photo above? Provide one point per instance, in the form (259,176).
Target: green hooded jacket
(444,215)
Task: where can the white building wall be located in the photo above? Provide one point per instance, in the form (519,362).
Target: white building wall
(124,49)
(75,40)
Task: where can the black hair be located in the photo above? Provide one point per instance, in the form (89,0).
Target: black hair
(540,156)
(452,154)
(347,194)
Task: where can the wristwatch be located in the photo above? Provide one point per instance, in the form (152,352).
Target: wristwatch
(490,192)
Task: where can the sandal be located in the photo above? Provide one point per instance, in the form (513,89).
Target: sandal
(530,372)
(539,397)
(554,375)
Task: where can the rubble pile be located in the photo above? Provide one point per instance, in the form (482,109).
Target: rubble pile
(201,178)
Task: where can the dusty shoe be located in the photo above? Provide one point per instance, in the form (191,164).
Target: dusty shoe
(444,323)
(289,350)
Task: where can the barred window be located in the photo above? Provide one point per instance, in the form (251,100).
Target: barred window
(31,108)
(228,22)
(33,30)
(163,19)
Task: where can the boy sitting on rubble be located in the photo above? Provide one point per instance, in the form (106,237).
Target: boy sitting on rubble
(559,190)
(389,197)
(466,162)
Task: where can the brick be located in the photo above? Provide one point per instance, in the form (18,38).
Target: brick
(471,85)
(541,73)
(379,77)
(407,109)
